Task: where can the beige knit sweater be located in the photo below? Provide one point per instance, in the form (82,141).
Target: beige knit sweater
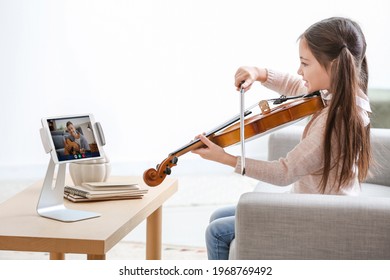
(302,166)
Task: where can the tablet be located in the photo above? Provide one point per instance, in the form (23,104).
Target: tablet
(72,138)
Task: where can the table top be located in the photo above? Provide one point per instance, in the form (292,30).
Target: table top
(22,229)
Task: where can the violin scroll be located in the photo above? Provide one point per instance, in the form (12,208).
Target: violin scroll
(154,177)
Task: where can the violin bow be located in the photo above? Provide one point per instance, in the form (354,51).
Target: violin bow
(242,130)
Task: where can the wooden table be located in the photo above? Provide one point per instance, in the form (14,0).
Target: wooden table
(22,229)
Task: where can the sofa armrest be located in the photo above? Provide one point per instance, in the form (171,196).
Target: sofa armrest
(304,226)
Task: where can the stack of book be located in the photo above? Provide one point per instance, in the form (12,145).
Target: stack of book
(98,191)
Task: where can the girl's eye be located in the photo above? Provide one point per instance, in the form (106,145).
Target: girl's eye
(303,64)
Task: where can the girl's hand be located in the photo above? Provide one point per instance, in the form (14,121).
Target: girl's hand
(214,152)
(246,75)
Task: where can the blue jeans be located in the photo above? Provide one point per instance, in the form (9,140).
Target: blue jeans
(220,233)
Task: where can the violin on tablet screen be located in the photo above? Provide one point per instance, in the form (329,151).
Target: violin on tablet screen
(287,111)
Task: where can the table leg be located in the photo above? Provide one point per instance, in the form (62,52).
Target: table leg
(96,257)
(153,235)
(57,256)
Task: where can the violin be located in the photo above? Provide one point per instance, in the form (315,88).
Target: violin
(228,133)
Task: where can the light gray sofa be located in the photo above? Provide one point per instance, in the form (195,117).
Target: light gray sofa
(273,224)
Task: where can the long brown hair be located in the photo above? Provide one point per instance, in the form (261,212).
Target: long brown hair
(339,46)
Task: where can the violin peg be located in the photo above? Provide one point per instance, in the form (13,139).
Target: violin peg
(174,160)
(167,171)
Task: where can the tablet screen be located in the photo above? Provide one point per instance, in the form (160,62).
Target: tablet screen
(73,138)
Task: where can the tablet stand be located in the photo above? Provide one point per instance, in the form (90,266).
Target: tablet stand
(51,201)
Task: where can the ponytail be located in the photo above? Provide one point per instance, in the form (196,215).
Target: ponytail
(344,125)
(339,46)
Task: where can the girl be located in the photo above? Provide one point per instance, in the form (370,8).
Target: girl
(333,155)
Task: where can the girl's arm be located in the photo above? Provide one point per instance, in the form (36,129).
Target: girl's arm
(282,83)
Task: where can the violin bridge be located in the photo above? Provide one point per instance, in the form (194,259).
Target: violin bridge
(264,107)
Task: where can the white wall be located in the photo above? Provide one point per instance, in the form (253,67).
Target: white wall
(154,73)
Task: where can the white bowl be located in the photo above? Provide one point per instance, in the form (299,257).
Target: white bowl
(90,171)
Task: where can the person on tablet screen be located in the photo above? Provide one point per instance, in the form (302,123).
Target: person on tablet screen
(76,142)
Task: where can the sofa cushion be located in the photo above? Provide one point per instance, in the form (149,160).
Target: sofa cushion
(375,190)
(58,141)
(380,169)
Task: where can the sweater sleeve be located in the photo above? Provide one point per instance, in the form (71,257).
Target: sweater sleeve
(284,84)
